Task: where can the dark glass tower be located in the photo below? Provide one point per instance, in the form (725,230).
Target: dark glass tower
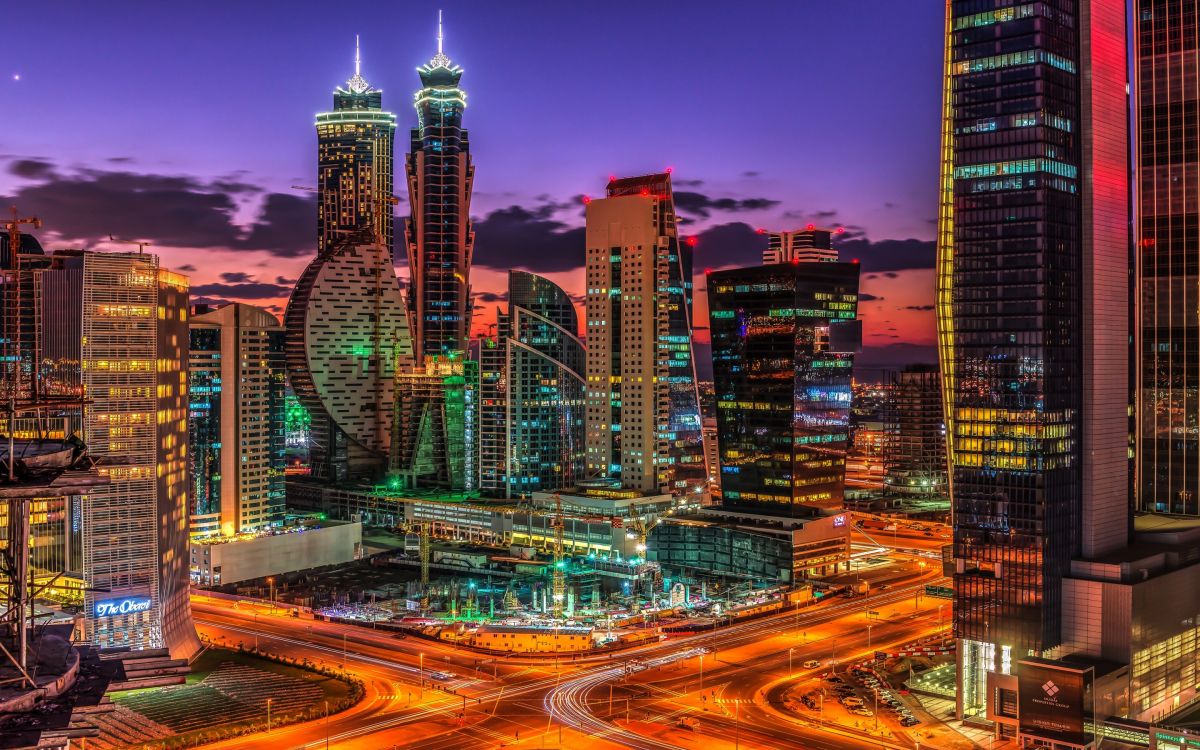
(1032,314)
(783,338)
(439,234)
(1168,267)
(354,163)
(532,392)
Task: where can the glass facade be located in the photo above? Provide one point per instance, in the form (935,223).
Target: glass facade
(532,392)
(435,437)
(1168,267)
(439,233)
(914,447)
(1032,311)
(782,375)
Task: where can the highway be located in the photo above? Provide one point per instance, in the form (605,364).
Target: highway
(630,699)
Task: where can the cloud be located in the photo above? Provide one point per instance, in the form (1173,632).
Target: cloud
(750,173)
(250,290)
(186,268)
(888,255)
(732,244)
(918,308)
(518,237)
(869,298)
(492,297)
(702,205)
(826,214)
(283,280)
(32,169)
(687,183)
(234,277)
(168,210)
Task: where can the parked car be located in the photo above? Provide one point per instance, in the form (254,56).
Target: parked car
(812,664)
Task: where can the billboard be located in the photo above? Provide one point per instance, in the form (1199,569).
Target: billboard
(1054,700)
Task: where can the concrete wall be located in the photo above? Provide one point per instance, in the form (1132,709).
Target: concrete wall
(258,557)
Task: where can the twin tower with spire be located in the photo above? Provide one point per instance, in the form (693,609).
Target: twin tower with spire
(347,324)
(355,187)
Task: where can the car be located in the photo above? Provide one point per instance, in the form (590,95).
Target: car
(690,723)
(441,676)
(909,721)
(861,712)
(812,664)
(851,701)
(834,679)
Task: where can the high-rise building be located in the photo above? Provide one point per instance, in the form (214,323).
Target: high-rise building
(438,233)
(800,246)
(236,385)
(532,393)
(914,444)
(346,332)
(643,413)
(1032,304)
(354,164)
(435,443)
(1167,331)
(783,343)
(115,327)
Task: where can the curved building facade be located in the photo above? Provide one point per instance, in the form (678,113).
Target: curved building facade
(533,393)
(346,332)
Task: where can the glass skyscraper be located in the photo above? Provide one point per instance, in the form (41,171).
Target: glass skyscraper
(783,342)
(1032,306)
(354,164)
(1168,266)
(439,235)
(532,392)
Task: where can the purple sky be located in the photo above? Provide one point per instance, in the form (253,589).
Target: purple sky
(187,126)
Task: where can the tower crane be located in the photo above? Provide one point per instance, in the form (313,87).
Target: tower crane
(141,244)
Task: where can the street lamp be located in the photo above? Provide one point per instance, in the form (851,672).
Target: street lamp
(268,715)
(790,650)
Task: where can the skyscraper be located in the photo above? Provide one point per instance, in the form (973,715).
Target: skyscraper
(236,385)
(800,245)
(643,413)
(1168,277)
(346,331)
(783,343)
(532,392)
(1032,314)
(354,163)
(114,327)
(438,232)
(914,443)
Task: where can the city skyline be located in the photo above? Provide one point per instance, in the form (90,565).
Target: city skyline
(237,190)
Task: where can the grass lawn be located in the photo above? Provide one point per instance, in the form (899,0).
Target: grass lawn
(229,689)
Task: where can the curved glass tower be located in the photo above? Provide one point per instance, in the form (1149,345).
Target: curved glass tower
(438,233)
(532,392)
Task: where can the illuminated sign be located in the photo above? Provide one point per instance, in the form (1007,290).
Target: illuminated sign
(126,606)
(1054,701)
(839,521)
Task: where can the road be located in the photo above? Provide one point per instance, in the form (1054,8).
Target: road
(532,702)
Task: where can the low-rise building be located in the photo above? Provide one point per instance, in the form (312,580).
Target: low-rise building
(222,560)
(532,638)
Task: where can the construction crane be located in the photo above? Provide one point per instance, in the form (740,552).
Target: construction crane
(421,529)
(558,587)
(641,531)
(141,245)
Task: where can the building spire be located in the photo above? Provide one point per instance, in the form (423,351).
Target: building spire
(440,60)
(357,84)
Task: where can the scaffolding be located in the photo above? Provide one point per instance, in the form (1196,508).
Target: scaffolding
(42,456)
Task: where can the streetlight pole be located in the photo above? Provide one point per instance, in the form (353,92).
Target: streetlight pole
(702,670)
(326,725)
(268,715)
(737,727)
(869,637)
